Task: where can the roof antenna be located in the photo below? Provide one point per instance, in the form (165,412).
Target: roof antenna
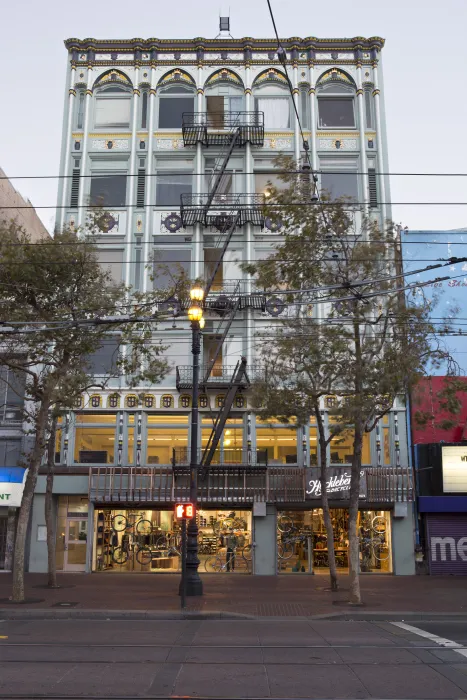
(224,27)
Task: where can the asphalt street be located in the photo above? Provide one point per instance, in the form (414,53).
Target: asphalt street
(261,658)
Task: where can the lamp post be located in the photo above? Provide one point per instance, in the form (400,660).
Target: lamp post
(194,585)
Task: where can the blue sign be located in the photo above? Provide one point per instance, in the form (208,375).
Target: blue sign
(12,475)
(448,298)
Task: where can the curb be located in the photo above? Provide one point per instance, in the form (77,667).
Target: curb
(83,614)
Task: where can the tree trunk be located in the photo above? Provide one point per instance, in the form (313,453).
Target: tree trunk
(26,503)
(325,501)
(10,539)
(49,512)
(354,557)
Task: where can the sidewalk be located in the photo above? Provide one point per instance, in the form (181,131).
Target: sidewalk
(258,596)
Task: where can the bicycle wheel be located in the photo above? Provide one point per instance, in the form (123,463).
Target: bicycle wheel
(213,564)
(144,527)
(247,552)
(161,543)
(240,564)
(120,555)
(285,523)
(285,550)
(119,523)
(144,555)
(378,524)
(381,551)
(228,523)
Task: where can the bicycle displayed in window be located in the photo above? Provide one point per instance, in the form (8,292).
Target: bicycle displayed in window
(230,563)
(121,523)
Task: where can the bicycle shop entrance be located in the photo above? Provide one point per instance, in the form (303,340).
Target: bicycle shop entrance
(148,540)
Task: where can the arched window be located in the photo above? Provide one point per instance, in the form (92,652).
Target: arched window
(144,110)
(224,91)
(80,113)
(113,107)
(272,97)
(174,100)
(336,102)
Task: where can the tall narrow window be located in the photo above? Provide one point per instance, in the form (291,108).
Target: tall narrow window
(173,102)
(113,105)
(80,117)
(144,110)
(369,109)
(276,111)
(304,108)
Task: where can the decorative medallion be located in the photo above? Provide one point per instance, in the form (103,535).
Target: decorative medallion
(113,76)
(185,401)
(272,225)
(240,401)
(172,222)
(203,401)
(110,144)
(338,144)
(275,306)
(95,401)
(79,402)
(335,75)
(106,222)
(220,398)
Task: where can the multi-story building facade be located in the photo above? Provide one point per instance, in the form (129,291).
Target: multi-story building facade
(13,207)
(176,140)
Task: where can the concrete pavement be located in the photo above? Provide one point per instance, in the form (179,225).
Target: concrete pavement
(226,659)
(233,595)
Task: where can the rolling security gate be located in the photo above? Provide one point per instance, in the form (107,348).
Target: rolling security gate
(447,543)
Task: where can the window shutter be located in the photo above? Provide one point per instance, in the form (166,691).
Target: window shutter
(74,189)
(141,189)
(373,192)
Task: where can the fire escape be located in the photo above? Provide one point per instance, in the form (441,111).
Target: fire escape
(224,213)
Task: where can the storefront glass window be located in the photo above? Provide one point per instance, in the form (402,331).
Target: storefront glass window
(94,445)
(230,449)
(313,447)
(95,418)
(279,443)
(163,444)
(300,532)
(149,541)
(180,418)
(341,448)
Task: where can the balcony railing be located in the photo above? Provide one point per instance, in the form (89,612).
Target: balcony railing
(222,209)
(234,484)
(219,378)
(217,128)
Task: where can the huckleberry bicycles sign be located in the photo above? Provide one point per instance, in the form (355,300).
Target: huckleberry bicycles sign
(338,483)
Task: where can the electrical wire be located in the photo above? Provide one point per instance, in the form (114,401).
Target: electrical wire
(277,206)
(243,172)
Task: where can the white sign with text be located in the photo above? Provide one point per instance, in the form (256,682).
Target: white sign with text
(454,460)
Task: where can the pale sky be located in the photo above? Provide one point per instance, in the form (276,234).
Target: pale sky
(425,64)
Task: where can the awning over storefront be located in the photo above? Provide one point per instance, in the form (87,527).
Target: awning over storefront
(12,481)
(442,504)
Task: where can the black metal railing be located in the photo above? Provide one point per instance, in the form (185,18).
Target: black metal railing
(219,377)
(216,128)
(201,209)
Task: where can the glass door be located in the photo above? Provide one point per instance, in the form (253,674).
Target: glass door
(76,535)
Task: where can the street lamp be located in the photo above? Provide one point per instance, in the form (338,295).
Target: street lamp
(194,585)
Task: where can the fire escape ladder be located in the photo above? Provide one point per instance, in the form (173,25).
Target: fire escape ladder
(235,133)
(232,310)
(223,414)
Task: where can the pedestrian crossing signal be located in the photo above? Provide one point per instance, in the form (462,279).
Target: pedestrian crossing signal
(184,511)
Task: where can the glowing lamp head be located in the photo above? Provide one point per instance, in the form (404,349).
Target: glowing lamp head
(267,192)
(195,313)
(197,293)
(202,323)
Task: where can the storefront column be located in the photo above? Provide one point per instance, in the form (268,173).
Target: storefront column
(264,537)
(403,542)
(37,550)
(90,539)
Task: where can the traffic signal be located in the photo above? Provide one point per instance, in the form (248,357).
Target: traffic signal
(185,511)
